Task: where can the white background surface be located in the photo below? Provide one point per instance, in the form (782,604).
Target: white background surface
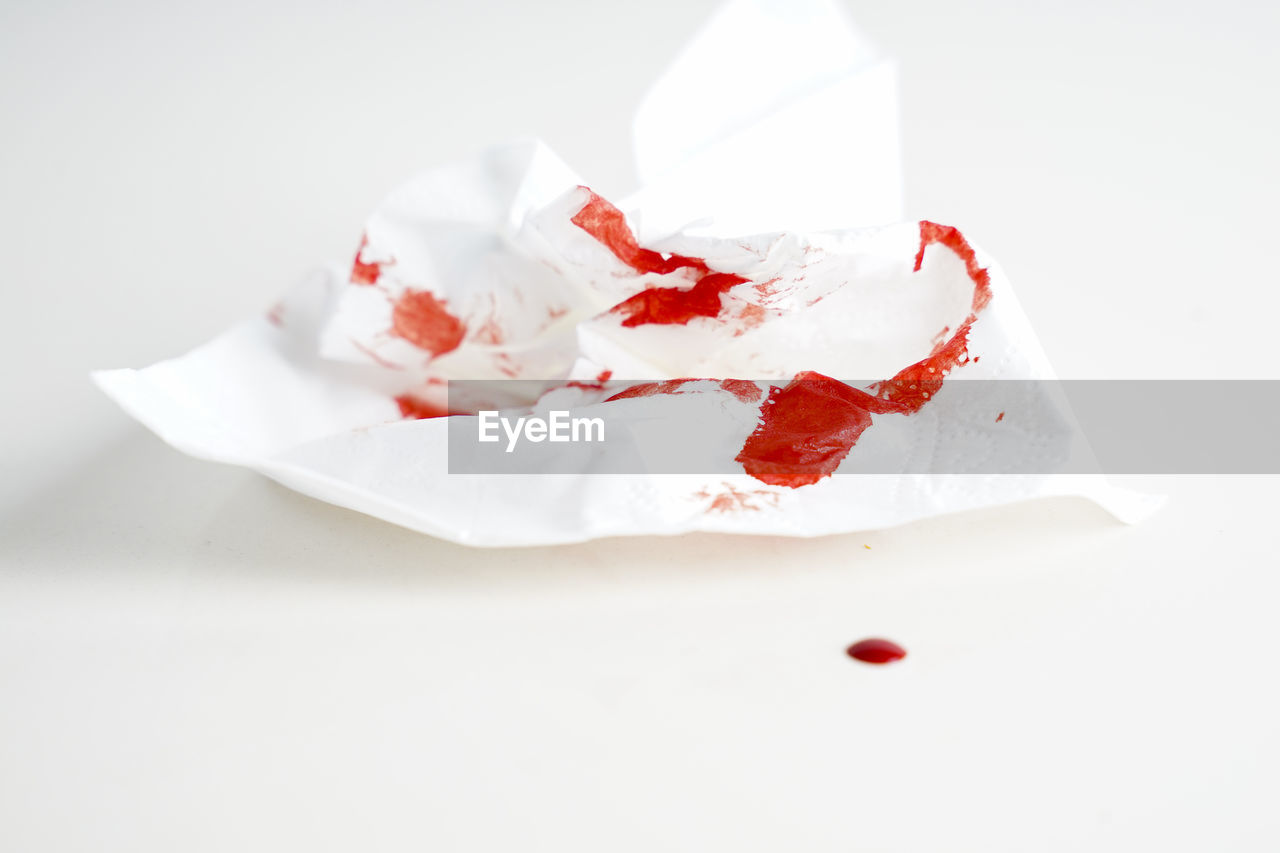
(192,658)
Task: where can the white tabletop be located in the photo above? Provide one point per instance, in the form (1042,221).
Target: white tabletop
(193,658)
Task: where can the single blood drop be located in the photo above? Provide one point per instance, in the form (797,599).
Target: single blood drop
(876,650)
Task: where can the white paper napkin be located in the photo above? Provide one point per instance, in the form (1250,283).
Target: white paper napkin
(741,258)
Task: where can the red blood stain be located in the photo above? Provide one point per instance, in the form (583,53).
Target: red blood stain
(673,306)
(609,226)
(412,407)
(932,232)
(490,331)
(768,289)
(752,315)
(732,499)
(915,385)
(507,365)
(373,356)
(876,650)
(744,389)
(651,389)
(999,417)
(658,305)
(366,272)
(807,428)
(596,385)
(422,320)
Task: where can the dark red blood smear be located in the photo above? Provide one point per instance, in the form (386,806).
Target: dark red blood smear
(806,431)
(672,306)
(411,407)
(807,428)
(932,232)
(660,305)
(999,417)
(915,385)
(875,650)
(607,224)
(422,320)
(365,273)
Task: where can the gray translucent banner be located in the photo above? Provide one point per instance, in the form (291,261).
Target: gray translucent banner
(705,427)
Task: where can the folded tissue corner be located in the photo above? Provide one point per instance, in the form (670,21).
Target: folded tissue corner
(506,267)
